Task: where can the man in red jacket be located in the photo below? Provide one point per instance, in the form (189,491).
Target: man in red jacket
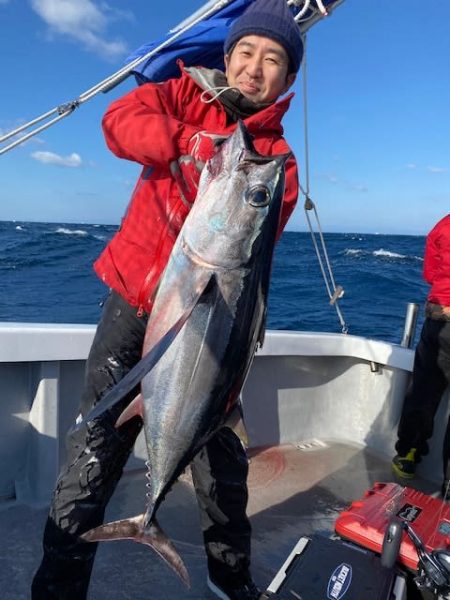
(431,373)
(171,129)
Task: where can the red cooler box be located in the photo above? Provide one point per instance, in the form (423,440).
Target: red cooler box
(365,521)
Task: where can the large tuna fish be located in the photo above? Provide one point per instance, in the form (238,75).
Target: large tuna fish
(208,317)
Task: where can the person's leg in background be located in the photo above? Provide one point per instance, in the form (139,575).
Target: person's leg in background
(422,400)
(444,365)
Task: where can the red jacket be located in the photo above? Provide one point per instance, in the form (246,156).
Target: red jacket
(152,125)
(436,267)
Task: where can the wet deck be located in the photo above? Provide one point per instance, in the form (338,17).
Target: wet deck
(293,492)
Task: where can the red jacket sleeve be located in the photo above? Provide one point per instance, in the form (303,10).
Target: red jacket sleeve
(146,124)
(431,260)
(436,266)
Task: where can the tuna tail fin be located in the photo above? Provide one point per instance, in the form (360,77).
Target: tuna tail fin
(151,535)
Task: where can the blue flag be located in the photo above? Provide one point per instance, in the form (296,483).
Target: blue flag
(202,44)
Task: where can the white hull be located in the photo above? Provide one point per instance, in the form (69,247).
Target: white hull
(302,386)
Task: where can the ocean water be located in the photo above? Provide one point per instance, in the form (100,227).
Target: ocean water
(47,277)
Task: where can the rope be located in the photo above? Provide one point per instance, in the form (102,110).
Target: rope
(335,292)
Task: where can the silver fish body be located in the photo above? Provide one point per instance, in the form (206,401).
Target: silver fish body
(218,277)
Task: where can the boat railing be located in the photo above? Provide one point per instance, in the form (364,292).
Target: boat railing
(42,373)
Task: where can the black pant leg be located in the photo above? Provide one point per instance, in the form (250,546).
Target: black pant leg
(96,456)
(428,383)
(444,365)
(220,472)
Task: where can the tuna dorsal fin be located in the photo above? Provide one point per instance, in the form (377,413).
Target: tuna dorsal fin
(151,535)
(134,409)
(242,136)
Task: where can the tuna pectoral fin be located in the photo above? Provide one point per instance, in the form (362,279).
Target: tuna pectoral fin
(134,409)
(138,372)
(151,535)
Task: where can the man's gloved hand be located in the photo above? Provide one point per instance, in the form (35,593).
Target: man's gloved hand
(186,170)
(203,145)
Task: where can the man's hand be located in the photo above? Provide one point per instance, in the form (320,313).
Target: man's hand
(203,145)
(186,170)
(186,173)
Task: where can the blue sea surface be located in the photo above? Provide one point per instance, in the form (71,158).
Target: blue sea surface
(47,277)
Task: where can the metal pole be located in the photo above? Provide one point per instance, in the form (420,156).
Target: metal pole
(412,311)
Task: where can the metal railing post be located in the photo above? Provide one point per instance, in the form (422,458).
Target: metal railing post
(412,311)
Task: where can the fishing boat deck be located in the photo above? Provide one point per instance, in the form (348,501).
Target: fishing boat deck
(294,491)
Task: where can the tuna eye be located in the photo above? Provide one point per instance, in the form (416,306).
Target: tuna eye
(258,196)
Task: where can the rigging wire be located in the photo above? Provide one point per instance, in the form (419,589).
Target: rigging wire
(306,7)
(335,292)
(64,110)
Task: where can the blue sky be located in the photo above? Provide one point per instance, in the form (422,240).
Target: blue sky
(378,103)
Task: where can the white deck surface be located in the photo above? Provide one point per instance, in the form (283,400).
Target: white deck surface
(293,492)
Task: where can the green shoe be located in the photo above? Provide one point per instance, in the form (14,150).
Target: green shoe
(405,466)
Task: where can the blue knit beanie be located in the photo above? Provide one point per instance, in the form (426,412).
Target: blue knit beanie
(272,19)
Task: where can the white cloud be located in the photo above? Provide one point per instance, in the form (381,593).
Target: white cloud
(344,183)
(83,21)
(430,169)
(329,177)
(438,169)
(50,158)
(12,126)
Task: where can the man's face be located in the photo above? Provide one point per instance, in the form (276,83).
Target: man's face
(258,67)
